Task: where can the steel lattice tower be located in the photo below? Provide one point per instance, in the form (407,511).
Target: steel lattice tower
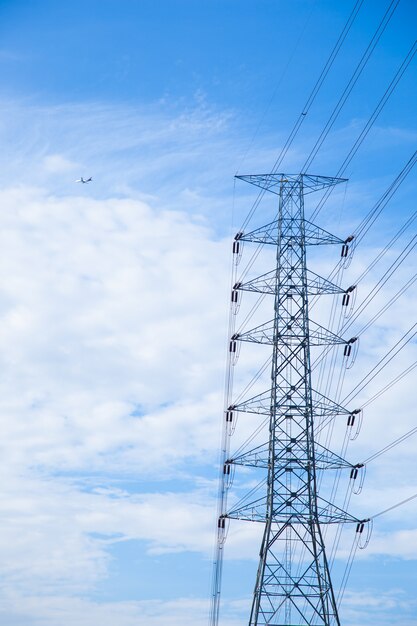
(293,584)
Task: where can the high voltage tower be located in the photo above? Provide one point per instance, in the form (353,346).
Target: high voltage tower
(293,583)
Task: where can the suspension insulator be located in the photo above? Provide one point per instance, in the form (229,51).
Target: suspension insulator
(229,415)
(359,527)
(221,522)
(354,473)
(346,295)
(237,248)
(235,293)
(351,419)
(226,469)
(232,346)
(345,250)
(348,351)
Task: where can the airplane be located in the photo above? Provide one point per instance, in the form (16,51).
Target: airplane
(84,180)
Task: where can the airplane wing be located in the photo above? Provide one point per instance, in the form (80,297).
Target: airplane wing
(84,180)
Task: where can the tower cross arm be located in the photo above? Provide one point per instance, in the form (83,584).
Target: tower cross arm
(276,182)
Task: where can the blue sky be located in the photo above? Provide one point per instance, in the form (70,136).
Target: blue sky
(114,296)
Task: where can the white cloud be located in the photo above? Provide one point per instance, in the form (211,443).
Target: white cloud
(50,610)
(370,606)
(113,304)
(112,338)
(56,163)
(398,544)
(105,312)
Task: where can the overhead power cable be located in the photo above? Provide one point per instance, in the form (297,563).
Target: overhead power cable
(351,83)
(387,358)
(382,102)
(381,391)
(277,85)
(391,445)
(390,302)
(371,217)
(318,84)
(405,252)
(375,212)
(395,506)
(391,384)
(389,245)
(388,92)
(309,102)
(387,275)
(348,569)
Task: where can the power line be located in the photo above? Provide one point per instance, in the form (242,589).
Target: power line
(394,506)
(391,445)
(318,84)
(405,252)
(371,217)
(381,104)
(309,102)
(387,275)
(391,384)
(389,245)
(281,78)
(376,211)
(401,343)
(351,83)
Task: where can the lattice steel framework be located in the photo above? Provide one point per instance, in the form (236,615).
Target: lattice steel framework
(293,584)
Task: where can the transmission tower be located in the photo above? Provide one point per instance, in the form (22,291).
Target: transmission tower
(293,584)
